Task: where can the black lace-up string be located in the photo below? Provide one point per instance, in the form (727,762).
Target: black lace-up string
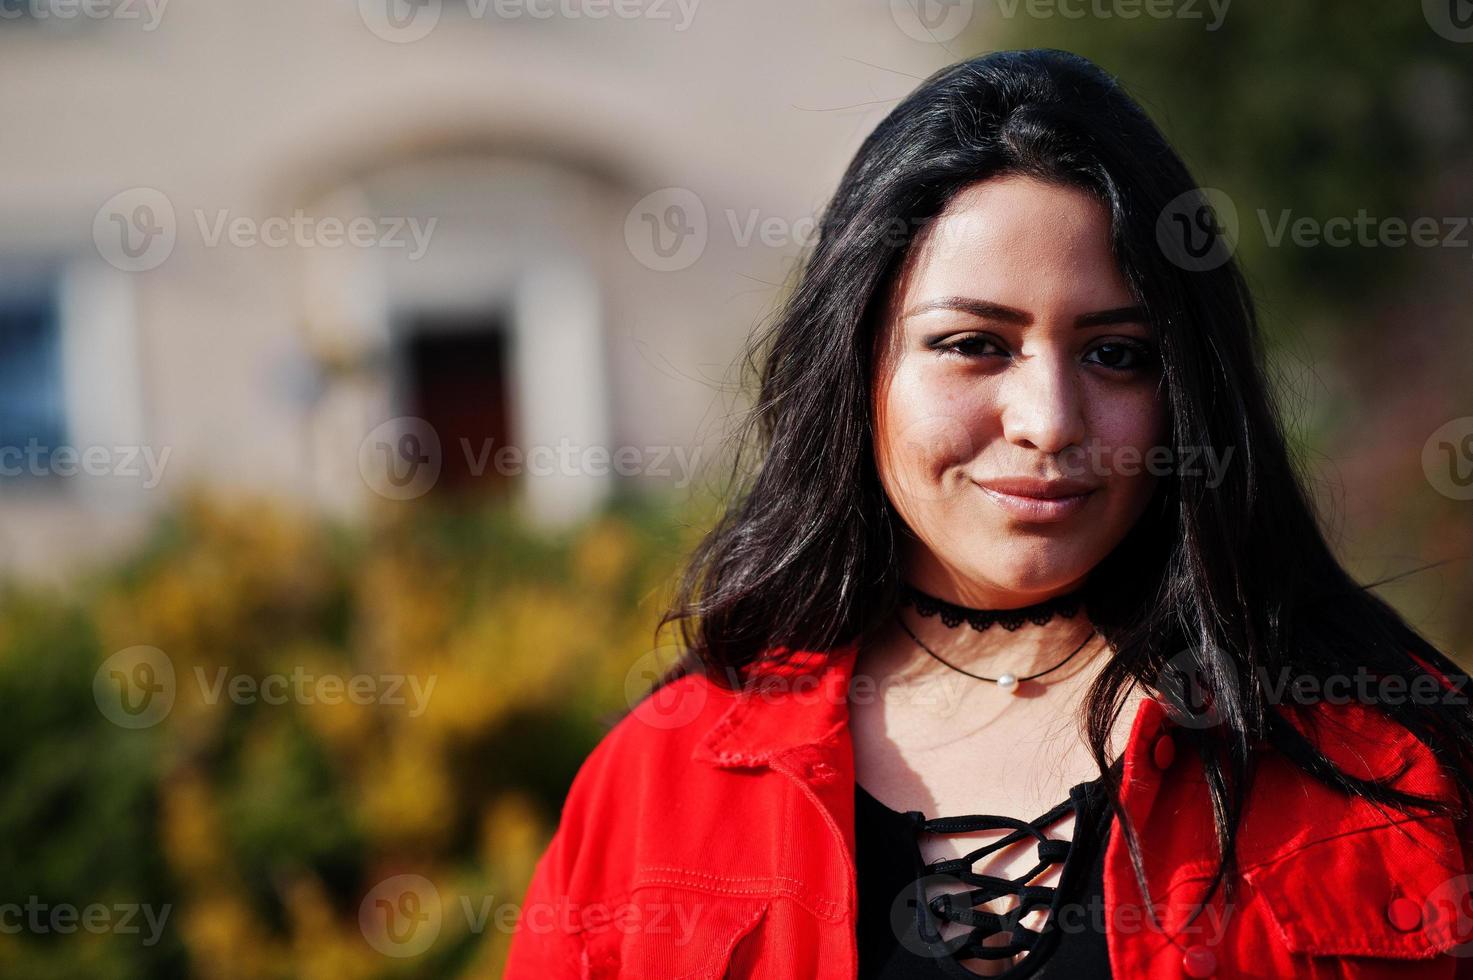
(960,907)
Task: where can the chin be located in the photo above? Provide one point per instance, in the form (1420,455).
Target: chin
(1031,573)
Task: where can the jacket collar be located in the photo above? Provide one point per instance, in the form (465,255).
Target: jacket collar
(800,703)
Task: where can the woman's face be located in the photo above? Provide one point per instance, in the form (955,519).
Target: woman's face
(1016,395)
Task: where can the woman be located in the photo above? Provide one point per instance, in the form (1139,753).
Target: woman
(1020,469)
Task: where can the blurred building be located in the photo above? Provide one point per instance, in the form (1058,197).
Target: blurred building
(351,250)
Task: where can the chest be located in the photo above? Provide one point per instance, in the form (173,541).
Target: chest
(978,752)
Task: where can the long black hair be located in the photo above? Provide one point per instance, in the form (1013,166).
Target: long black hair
(1228,583)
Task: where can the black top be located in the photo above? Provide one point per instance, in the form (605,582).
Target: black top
(901,940)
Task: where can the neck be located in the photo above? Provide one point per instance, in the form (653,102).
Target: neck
(976,594)
(1029,650)
(995,650)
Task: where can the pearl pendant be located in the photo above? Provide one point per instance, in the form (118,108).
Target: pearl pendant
(1008,682)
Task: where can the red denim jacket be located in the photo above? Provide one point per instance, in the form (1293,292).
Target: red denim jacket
(711,834)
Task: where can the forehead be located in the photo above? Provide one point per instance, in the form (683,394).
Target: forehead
(1017,240)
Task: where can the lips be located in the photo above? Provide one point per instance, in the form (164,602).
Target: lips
(1036,501)
(1025,486)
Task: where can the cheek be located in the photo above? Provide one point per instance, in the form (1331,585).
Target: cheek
(928,426)
(1127,433)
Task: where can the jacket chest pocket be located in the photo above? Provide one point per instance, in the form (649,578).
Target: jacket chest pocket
(669,933)
(1391,900)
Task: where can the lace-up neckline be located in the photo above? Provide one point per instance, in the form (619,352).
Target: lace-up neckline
(963,907)
(931,911)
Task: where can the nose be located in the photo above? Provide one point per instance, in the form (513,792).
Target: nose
(1043,407)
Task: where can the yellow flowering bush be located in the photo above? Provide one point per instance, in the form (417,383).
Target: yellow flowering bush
(281,747)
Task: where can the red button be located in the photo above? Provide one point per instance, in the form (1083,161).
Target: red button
(1199,962)
(1404,914)
(1163,752)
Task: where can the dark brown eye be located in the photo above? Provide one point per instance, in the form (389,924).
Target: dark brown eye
(974,346)
(1121,355)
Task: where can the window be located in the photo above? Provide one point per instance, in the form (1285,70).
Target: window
(456,372)
(32,404)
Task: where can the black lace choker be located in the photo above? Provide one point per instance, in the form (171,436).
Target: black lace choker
(954,615)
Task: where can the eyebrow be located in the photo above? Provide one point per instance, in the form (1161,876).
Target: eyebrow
(1006,314)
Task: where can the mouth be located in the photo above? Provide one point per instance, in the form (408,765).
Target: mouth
(1038,501)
